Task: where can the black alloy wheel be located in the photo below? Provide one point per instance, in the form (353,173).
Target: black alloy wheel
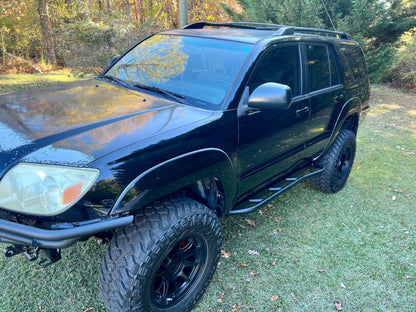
(179,271)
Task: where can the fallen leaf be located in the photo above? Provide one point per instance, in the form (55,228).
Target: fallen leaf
(251,222)
(252,273)
(274,298)
(274,262)
(221,299)
(338,306)
(293,296)
(321,270)
(225,254)
(236,308)
(278,219)
(243,265)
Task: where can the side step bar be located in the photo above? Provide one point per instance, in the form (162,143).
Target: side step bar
(273,192)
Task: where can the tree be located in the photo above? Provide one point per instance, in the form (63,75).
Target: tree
(376,24)
(47,33)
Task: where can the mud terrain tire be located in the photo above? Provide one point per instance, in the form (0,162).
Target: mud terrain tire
(164,260)
(337,163)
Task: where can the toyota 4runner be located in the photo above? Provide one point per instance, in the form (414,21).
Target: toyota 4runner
(187,126)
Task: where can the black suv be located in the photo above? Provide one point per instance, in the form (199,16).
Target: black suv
(187,126)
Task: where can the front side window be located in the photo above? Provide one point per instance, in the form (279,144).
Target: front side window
(322,71)
(280,65)
(199,69)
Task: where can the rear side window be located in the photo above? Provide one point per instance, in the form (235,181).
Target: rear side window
(322,70)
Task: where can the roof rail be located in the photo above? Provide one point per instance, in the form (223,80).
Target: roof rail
(280,30)
(243,25)
(317,31)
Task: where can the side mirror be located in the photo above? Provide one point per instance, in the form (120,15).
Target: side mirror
(271,96)
(114,60)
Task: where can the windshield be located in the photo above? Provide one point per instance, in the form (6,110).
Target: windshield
(200,70)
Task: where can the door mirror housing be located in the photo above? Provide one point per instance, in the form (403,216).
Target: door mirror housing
(271,96)
(114,60)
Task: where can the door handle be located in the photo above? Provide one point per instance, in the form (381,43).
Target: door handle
(301,112)
(338,97)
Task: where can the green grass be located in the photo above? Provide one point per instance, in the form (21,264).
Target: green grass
(357,247)
(20,82)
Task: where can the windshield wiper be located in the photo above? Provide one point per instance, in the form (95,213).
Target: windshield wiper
(172,95)
(118,81)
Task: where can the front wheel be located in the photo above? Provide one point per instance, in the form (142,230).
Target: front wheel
(163,261)
(337,163)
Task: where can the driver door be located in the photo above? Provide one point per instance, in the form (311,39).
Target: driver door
(271,141)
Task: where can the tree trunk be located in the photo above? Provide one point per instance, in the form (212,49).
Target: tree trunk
(127,6)
(47,33)
(183,12)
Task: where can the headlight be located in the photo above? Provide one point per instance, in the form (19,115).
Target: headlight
(44,189)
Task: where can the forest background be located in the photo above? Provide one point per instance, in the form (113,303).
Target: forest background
(83,35)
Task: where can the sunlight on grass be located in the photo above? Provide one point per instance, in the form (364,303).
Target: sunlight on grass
(20,82)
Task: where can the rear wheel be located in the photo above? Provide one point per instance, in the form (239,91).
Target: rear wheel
(164,261)
(337,163)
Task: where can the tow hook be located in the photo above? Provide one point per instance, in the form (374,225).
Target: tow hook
(50,256)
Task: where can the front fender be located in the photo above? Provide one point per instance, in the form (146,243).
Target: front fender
(175,174)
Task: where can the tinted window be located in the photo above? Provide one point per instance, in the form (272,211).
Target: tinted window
(321,67)
(355,63)
(200,69)
(279,65)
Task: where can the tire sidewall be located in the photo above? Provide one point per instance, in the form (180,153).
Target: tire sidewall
(348,146)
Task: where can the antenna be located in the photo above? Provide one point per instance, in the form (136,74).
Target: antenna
(327,13)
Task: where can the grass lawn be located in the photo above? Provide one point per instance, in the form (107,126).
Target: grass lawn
(306,251)
(20,82)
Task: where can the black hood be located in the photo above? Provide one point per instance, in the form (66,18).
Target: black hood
(76,123)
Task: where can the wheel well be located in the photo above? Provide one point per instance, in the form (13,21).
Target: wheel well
(209,192)
(351,123)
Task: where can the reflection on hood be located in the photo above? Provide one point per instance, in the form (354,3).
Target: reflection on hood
(12,140)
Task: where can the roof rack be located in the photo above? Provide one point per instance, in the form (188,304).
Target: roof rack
(280,30)
(242,25)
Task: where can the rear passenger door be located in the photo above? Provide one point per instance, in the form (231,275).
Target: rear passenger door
(325,92)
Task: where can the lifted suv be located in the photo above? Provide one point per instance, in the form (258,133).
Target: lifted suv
(187,126)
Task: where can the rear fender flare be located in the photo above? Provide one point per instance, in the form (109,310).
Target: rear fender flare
(177,173)
(351,107)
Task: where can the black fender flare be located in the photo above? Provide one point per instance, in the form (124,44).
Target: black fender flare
(350,108)
(177,173)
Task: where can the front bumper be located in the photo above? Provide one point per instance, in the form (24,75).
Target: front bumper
(25,235)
